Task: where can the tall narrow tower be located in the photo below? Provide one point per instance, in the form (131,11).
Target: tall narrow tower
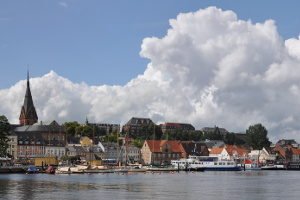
(28,114)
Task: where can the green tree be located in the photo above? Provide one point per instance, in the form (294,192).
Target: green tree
(70,128)
(146,132)
(183,135)
(257,136)
(230,138)
(84,130)
(4,129)
(137,143)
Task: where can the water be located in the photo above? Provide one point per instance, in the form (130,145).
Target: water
(200,185)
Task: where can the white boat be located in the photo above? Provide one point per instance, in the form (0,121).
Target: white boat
(251,165)
(188,164)
(63,170)
(205,162)
(273,167)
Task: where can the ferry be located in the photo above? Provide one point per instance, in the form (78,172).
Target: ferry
(187,164)
(205,162)
(251,165)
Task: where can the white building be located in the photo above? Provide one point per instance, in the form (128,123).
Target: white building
(51,151)
(130,154)
(262,156)
(13,146)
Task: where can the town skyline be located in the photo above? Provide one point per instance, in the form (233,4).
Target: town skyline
(210,66)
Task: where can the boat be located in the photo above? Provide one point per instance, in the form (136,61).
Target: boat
(206,163)
(32,170)
(188,164)
(63,170)
(293,166)
(251,165)
(274,167)
(50,170)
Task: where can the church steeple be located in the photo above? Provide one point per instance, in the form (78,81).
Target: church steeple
(28,114)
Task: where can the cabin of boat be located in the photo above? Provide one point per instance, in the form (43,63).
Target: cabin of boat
(206,162)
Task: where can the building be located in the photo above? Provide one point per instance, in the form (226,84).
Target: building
(36,139)
(135,125)
(220,153)
(168,126)
(158,152)
(13,145)
(105,127)
(28,114)
(212,130)
(130,154)
(193,149)
(287,142)
(111,151)
(263,156)
(214,143)
(229,152)
(40,140)
(283,152)
(295,155)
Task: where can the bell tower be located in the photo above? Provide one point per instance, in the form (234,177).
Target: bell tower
(28,114)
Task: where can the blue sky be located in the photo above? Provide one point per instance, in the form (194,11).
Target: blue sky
(98,42)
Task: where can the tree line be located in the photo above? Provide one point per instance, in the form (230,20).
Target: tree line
(256,135)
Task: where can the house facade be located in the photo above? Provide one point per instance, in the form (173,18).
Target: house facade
(229,152)
(168,126)
(263,156)
(193,148)
(130,154)
(158,152)
(135,125)
(13,146)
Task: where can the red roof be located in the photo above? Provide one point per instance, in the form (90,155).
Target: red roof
(216,151)
(235,150)
(173,124)
(295,151)
(231,150)
(155,145)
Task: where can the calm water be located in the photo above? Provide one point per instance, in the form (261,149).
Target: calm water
(200,185)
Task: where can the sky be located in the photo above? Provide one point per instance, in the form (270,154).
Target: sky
(225,63)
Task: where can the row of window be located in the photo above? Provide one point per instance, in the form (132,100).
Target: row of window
(55,152)
(31,147)
(165,155)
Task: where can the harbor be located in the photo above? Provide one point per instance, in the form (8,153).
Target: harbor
(229,185)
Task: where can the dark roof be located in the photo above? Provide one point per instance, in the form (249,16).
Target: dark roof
(284,141)
(53,127)
(178,125)
(196,149)
(35,138)
(138,121)
(73,140)
(214,129)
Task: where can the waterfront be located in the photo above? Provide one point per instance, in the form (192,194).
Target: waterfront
(200,185)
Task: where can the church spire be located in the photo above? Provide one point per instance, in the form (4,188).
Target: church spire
(28,114)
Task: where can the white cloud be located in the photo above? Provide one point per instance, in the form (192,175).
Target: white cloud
(210,69)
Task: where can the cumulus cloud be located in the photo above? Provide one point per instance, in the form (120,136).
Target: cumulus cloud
(211,68)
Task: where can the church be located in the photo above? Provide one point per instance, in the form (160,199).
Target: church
(31,139)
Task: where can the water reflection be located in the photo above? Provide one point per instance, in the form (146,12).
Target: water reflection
(207,185)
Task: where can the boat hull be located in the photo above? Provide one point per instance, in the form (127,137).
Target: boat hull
(222,168)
